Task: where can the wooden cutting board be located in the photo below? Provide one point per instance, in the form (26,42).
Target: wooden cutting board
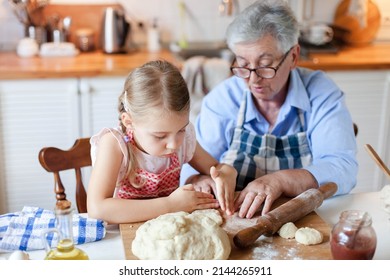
(265,248)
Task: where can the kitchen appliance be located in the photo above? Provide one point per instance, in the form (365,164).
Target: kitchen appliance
(115,31)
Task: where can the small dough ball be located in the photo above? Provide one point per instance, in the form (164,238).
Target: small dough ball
(308,236)
(288,230)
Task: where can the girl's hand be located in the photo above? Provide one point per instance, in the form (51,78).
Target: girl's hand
(202,183)
(225,183)
(187,199)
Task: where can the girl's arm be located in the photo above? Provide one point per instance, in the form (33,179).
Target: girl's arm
(102,205)
(223,175)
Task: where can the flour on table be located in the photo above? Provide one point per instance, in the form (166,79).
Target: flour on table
(287,230)
(308,236)
(183,236)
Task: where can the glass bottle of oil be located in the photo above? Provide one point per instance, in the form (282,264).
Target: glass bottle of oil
(65,249)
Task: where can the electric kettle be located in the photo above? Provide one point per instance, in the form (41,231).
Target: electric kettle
(115,30)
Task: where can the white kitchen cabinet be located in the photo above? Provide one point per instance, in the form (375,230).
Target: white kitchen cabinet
(368,98)
(99,103)
(33,114)
(48,112)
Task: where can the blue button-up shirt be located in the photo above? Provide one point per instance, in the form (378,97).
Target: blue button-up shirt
(328,124)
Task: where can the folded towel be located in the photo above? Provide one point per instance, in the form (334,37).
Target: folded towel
(23,230)
(201,75)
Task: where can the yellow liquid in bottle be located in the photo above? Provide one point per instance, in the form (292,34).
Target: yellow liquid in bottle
(66,251)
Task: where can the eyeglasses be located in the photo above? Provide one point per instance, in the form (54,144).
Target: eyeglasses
(262,72)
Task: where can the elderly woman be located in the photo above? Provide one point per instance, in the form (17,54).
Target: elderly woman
(284,128)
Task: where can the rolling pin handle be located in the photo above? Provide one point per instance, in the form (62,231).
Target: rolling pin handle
(249,235)
(328,189)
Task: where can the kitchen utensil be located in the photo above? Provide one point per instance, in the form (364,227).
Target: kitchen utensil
(85,39)
(290,211)
(225,7)
(27,47)
(37,33)
(154,44)
(58,36)
(377,159)
(66,24)
(115,30)
(27,11)
(183,43)
(317,34)
(58,49)
(21,11)
(361,18)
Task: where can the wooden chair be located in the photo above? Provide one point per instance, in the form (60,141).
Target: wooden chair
(56,160)
(355,129)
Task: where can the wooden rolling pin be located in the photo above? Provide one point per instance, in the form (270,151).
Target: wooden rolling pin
(290,211)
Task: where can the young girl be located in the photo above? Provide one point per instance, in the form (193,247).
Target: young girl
(136,167)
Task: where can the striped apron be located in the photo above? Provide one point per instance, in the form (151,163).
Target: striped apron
(254,155)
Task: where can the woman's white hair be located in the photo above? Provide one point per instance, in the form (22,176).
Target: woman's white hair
(265,17)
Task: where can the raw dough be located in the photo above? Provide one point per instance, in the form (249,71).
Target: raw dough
(288,230)
(308,236)
(183,236)
(385,197)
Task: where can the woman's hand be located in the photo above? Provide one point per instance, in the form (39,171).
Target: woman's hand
(265,190)
(260,192)
(185,198)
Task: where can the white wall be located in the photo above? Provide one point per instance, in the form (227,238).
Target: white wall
(202,21)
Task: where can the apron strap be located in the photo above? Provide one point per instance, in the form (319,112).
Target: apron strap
(241,112)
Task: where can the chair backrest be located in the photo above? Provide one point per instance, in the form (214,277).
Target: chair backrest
(56,160)
(355,129)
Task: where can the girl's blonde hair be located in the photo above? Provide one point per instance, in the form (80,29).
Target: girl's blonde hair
(154,84)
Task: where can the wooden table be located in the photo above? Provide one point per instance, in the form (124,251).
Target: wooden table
(265,248)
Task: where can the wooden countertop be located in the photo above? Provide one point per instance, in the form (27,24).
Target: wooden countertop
(371,57)
(375,56)
(83,65)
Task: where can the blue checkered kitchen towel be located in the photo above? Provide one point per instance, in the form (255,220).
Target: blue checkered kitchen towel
(23,230)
